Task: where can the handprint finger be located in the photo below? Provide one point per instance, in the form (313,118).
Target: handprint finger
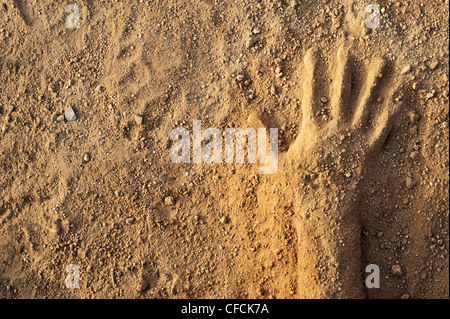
(368,93)
(341,85)
(310,101)
(383,122)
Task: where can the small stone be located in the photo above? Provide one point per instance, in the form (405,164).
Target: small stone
(397,270)
(251,42)
(99,89)
(60,118)
(278,62)
(406,69)
(409,183)
(169,201)
(260,291)
(416,86)
(130,221)
(240,77)
(273,90)
(138,119)
(405,296)
(324,99)
(11,108)
(278,70)
(70,114)
(434,64)
(224,220)
(413,117)
(445,124)
(86,157)
(54,117)
(413,155)
(256,31)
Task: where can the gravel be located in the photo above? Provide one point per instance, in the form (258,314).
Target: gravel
(70,114)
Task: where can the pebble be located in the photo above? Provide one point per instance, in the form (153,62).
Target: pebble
(397,270)
(278,61)
(413,155)
(224,220)
(54,117)
(324,99)
(273,90)
(240,77)
(405,296)
(406,69)
(130,221)
(413,117)
(445,124)
(260,291)
(434,64)
(86,157)
(251,42)
(278,70)
(169,201)
(60,118)
(409,183)
(70,114)
(99,89)
(138,119)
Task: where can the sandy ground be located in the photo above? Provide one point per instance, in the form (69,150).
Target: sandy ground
(102,193)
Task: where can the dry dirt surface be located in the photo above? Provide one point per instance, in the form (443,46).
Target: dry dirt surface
(362,117)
